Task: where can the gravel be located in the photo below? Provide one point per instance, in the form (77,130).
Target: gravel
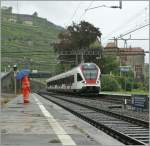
(129,111)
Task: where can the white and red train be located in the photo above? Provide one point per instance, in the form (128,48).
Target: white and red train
(84,78)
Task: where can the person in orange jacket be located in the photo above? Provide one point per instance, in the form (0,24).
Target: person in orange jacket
(25,89)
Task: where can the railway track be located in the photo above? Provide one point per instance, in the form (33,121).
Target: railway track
(108,98)
(106,106)
(126,129)
(116,99)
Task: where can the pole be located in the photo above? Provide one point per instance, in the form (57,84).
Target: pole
(132,85)
(82,57)
(15,70)
(125,103)
(125,81)
(76,58)
(15,83)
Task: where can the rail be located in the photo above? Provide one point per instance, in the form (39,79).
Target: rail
(99,122)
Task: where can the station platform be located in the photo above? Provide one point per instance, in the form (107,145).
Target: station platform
(114,93)
(43,123)
(119,94)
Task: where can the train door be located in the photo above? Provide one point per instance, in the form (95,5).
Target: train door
(79,81)
(74,84)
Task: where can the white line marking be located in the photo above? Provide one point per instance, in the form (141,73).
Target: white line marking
(60,132)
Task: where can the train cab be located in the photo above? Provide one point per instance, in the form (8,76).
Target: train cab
(90,74)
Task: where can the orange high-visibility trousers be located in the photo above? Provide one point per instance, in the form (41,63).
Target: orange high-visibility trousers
(25,89)
(26,92)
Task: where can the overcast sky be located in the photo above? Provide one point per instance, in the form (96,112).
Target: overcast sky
(111,22)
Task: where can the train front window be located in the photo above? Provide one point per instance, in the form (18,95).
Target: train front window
(90,71)
(89,66)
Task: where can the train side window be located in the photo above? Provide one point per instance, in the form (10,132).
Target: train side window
(79,78)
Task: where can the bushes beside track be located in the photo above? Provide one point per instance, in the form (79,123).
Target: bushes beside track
(117,83)
(125,83)
(108,83)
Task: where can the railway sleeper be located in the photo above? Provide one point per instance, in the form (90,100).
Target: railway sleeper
(135,131)
(126,118)
(138,135)
(121,136)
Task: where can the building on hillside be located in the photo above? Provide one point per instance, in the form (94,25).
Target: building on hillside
(6,10)
(25,19)
(133,57)
(11,17)
(31,20)
(28,22)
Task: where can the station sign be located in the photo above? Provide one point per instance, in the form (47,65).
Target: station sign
(125,68)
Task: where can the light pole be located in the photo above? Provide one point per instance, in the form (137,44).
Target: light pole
(9,67)
(15,70)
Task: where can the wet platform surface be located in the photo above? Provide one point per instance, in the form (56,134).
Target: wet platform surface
(43,123)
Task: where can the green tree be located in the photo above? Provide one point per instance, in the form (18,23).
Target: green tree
(64,42)
(146,76)
(77,36)
(109,64)
(146,83)
(83,34)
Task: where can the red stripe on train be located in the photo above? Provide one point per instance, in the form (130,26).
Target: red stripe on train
(90,81)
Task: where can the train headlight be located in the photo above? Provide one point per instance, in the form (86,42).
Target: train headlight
(84,82)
